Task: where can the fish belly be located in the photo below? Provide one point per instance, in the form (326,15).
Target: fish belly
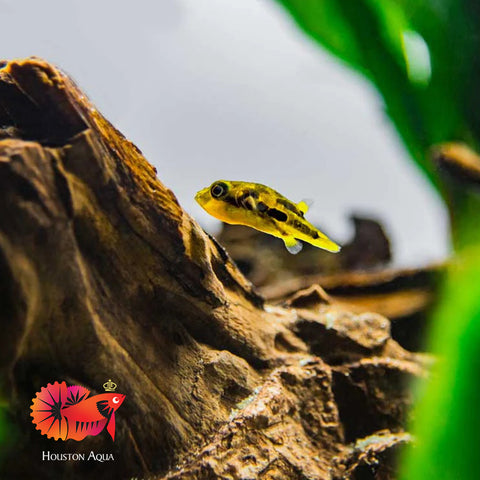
(84,419)
(78,430)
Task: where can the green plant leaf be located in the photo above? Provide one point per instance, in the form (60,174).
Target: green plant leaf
(447,421)
(421,55)
(4,437)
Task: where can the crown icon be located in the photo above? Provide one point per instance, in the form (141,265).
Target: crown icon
(109,386)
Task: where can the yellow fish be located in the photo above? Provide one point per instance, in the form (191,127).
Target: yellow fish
(262,208)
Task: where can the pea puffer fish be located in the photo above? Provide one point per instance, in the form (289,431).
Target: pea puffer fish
(262,208)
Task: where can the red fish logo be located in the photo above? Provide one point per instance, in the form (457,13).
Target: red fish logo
(62,412)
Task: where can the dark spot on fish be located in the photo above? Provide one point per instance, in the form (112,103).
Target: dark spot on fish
(304,228)
(277,214)
(262,207)
(301,226)
(289,206)
(231,200)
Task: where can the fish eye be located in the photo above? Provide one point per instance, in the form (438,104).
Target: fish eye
(115,399)
(218,190)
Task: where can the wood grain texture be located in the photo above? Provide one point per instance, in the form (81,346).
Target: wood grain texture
(103,275)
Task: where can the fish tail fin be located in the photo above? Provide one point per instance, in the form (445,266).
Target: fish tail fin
(325,243)
(293,245)
(111,426)
(47,410)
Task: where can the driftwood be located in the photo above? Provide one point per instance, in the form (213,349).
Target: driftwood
(458,163)
(103,275)
(359,278)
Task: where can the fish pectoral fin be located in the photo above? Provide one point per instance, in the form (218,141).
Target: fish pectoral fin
(293,245)
(103,408)
(111,426)
(304,205)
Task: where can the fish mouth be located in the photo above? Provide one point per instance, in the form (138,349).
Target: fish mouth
(202,196)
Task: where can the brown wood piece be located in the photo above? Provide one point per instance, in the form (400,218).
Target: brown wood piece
(103,275)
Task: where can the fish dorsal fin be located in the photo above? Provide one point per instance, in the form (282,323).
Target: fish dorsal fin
(76,393)
(304,205)
(293,245)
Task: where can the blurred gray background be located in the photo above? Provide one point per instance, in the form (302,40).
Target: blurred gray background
(212,89)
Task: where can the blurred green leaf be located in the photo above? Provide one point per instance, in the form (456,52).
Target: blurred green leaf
(422,56)
(447,421)
(8,430)
(3,429)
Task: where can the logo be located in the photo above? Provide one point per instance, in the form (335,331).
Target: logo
(65,413)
